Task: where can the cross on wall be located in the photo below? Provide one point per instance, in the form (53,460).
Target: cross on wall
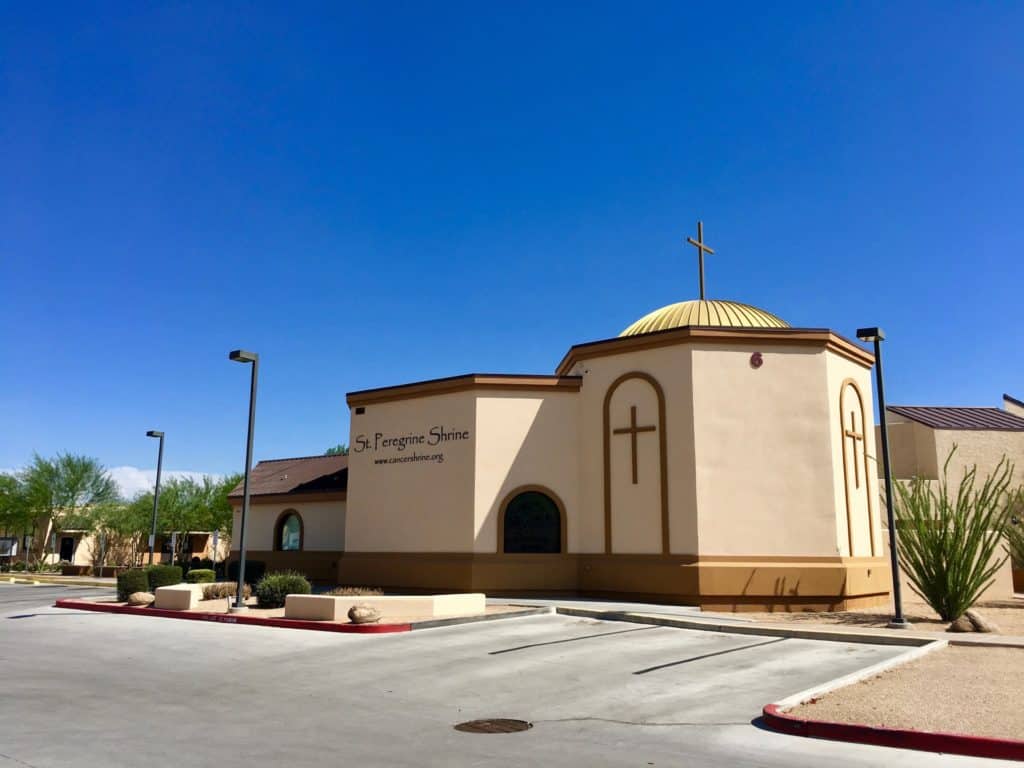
(633,430)
(857,437)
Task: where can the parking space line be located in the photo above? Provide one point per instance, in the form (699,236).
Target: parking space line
(570,640)
(709,655)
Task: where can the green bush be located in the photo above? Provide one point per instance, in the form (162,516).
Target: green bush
(274,587)
(948,541)
(163,576)
(200,576)
(129,582)
(222,589)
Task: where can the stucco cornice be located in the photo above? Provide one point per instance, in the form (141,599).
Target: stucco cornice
(794,337)
(472,381)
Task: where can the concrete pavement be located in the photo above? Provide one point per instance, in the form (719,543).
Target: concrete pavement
(88,689)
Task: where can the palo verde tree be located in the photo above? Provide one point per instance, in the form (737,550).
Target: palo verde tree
(190,506)
(950,538)
(60,490)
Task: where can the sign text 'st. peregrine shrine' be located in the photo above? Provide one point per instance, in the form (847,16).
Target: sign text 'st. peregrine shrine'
(434,437)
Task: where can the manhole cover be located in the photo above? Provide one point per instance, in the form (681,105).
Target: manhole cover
(494,725)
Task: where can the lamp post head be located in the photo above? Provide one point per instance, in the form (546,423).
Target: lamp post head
(154,433)
(241,356)
(871,334)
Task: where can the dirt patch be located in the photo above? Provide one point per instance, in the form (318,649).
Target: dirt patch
(1007,614)
(954,690)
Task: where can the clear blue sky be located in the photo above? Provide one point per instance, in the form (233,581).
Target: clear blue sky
(373,194)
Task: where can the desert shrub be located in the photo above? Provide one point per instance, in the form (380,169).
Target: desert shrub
(274,587)
(948,541)
(134,580)
(163,576)
(354,591)
(222,589)
(254,570)
(18,566)
(200,576)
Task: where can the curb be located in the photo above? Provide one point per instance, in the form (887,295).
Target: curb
(235,618)
(926,741)
(900,637)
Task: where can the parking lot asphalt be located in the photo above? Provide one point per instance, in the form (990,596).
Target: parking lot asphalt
(91,689)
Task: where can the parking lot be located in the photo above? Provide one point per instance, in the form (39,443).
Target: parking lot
(91,689)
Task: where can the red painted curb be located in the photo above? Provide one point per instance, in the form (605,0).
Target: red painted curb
(236,618)
(926,741)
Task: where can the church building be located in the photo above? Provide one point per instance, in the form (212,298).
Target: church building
(709,454)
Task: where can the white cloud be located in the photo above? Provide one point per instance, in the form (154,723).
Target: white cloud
(132,480)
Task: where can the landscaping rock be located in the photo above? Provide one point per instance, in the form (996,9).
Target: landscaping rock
(980,623)
(963,624)
(141,598)
(363,614)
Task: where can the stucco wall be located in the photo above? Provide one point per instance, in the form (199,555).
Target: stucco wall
(400,502)
(525,439)
(636,521)
(323,525)
(854,461)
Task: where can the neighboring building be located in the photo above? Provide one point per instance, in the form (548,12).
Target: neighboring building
(921,438)
(296,515)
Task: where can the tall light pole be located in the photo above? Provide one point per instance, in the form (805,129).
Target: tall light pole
(156,491)
(241,356)
(877,335)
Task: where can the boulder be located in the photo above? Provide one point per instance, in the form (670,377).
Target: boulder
(963,624)
(141,598)
(980,623)
(363,614)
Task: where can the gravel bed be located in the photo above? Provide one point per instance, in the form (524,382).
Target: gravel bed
(977,691)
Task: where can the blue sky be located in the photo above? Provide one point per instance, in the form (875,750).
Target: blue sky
(370,194)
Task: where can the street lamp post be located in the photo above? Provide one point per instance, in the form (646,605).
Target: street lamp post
(156,491)
(242,356)
(877,335)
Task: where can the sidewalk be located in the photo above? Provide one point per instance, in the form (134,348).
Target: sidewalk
(54,578)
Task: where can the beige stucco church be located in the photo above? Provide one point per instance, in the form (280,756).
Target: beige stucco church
(709,454)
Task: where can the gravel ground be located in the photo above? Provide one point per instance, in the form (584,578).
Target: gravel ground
(955,690)
(1008,615)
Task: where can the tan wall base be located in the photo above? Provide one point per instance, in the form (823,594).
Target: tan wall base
(316,566)
(724,584)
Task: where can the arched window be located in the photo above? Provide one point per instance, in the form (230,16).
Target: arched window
(532,523)
(288,533)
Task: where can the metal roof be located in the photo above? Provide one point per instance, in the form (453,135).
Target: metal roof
(303,474)
(938,417)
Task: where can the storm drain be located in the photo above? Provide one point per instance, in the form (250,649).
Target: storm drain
(494,725)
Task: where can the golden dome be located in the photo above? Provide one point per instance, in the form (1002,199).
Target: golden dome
(723,314)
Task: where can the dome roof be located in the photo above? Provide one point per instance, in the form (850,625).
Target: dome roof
(723,314)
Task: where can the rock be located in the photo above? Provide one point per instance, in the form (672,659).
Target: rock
(980,623)
(963,624)
(141,598)
(363,614)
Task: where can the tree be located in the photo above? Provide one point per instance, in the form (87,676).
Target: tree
(58,490)
(341,449)
(190,506)
(949,540)
(16,514)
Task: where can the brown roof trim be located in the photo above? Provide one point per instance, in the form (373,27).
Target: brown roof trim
(290,498)
(1014,400)
(692,333)
(470,381)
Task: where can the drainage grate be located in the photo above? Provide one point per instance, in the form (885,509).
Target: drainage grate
(494,725)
